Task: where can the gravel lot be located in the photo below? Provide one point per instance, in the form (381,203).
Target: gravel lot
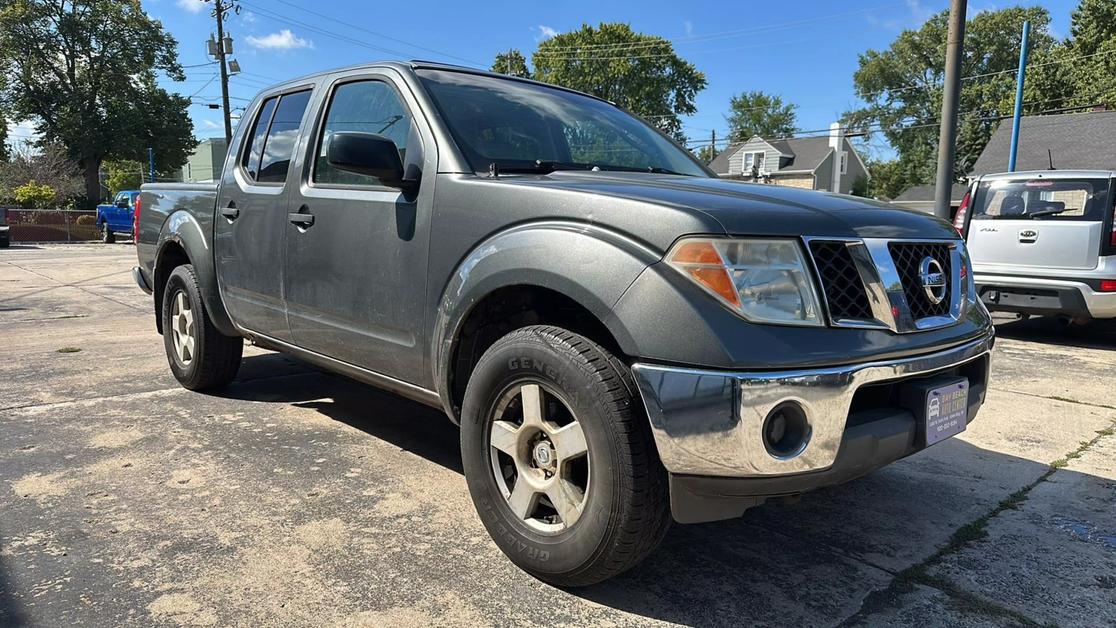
(297,497)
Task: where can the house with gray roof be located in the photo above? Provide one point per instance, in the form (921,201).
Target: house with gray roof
(1072,141)
(815,163)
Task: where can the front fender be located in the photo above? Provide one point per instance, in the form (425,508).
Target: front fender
(183,230)
(587,263)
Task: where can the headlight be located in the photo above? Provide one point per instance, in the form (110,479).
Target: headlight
(765,281)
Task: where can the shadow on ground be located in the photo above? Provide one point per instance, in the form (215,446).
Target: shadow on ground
(783,564)
(1092,335)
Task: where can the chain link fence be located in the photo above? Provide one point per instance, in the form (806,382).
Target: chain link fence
(51,225)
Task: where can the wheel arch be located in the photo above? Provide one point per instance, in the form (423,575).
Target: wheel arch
(563,274)
(182,241)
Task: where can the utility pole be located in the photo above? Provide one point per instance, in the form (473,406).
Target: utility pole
(712,145)
(947,137)
(220,7)
(1019,78)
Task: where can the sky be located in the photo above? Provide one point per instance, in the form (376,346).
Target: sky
(803,50)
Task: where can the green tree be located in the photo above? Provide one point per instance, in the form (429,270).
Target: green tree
(902,87)
(123,174)
(706,153)
(1090,54)
(639,72)
(757,113)
(512,63)
(84,70)
(35,195)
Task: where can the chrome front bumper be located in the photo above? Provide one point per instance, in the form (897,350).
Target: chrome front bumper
(710,423)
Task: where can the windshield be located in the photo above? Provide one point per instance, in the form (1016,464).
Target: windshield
(522,127)
(1042,199)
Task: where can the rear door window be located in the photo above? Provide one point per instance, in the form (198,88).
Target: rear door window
(1042,199)
(251,160)
(281,137)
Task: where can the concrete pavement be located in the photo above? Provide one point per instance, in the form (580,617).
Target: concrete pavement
(296,497)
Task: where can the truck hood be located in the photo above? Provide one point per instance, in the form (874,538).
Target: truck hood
(754,209)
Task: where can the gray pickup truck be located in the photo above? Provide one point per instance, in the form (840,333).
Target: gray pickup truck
(622,337)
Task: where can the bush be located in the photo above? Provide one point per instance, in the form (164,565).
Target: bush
(86,219)
(34,195)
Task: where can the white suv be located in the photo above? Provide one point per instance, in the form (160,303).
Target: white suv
(1043,242)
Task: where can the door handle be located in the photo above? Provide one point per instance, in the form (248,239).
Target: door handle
(231,212)
(301,220)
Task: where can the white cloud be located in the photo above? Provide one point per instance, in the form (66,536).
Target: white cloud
(193,6)
(545,32)
(689,26)
(210,124)
(283,40)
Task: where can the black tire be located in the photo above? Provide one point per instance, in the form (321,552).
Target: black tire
(626,510)
(107,236)
(216,357)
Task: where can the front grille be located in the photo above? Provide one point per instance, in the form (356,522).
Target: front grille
(844,290)
(908,258)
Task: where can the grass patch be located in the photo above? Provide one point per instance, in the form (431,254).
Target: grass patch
(69,350)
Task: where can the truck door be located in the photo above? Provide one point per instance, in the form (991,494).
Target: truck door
(251,215)
(1021,224)
(356,248)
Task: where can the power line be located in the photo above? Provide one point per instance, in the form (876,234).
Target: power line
(278,17)
(370,32)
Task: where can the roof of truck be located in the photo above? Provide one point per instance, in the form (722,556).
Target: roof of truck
(418,64)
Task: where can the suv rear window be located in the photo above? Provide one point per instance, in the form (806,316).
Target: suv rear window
(1042,199)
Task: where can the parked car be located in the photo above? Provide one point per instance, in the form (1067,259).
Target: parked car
(117,216)
(5,230)
(1044,242)
(620,335)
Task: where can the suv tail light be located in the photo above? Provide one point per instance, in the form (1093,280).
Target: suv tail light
(963,211)
(135,220)
(1112,236)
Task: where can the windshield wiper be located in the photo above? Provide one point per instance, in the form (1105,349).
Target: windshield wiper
(1048,211)
(539,167)
(648,169)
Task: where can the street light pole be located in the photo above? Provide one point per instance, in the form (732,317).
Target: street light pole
(947,137)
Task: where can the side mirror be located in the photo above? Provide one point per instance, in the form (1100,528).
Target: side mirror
(368,154)
(122,203)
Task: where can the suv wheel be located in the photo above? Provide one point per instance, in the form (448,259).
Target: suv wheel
(107,236)
(200,356)
(559,459)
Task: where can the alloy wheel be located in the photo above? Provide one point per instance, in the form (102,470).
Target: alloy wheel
(540,458)
(182,328)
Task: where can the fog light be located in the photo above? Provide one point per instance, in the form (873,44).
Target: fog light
(786,430)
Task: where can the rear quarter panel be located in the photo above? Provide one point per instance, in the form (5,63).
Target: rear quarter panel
(181,214)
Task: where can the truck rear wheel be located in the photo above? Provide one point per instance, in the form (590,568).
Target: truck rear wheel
(107,236)
(200,356)
(559,458)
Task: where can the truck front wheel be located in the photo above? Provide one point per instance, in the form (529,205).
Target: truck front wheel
(559,458)
(107,236)
(200,356)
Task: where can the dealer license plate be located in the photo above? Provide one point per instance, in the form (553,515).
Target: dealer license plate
(947,411)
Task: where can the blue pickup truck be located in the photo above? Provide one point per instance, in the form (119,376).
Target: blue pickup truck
(116,217)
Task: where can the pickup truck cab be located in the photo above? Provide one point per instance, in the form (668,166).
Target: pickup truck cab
(1044,242)
(117,216)
(620,335)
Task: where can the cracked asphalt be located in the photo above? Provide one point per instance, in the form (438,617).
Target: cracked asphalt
(296,497)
